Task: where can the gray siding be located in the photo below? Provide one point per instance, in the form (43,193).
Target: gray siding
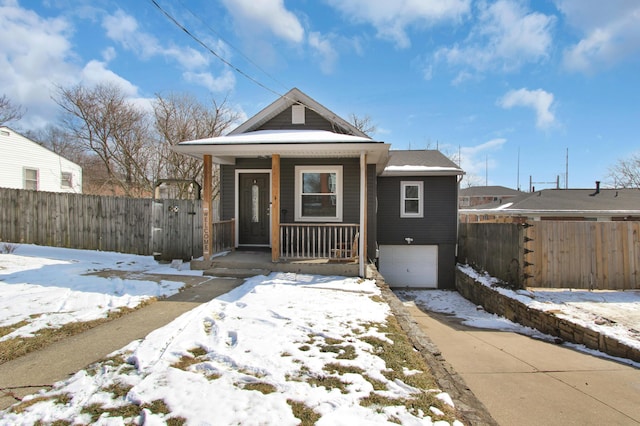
(350,186)
(437,227)
(351,190)
(313,121)
(439,224)
(228,183)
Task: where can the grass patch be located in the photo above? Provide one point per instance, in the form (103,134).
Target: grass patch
(265,388)
(306,415)
(332,341)
(61,399)
(117,389)
(95,411)
(344,352)
(328,382)
(8,329)
(335,368)
(187,361)
(14,348)
(304,348)
(157,406)
(400,356)
(53,423)
(377,298)
(176,421)
(117,362)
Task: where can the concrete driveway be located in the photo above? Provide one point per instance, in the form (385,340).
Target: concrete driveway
(523,381)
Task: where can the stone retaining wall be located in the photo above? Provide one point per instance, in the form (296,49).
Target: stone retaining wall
(546,322)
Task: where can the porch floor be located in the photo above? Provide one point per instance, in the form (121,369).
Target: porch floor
(249,262)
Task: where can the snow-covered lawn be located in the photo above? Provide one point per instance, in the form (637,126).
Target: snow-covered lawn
(48,287)
(614,313)
(275,350)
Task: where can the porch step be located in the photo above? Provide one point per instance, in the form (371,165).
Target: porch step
(236,272)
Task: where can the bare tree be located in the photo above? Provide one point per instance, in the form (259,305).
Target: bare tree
(364,124)
(9,111)
(58,141)
(626,172)
(104,123)
(181,117)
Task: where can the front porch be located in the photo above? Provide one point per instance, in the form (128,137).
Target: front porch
(249,262)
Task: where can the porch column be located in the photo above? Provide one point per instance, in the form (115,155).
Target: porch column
(207,207)
(362,246)
(275,207)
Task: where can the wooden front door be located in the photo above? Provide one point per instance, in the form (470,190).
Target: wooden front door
(253,205)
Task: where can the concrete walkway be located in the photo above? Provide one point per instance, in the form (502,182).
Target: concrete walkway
(523,381)
(39,370)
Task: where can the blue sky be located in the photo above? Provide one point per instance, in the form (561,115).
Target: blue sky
(493,81)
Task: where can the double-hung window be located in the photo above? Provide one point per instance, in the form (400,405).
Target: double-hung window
(31,179)
(318,193)
(66,180)
(411,200)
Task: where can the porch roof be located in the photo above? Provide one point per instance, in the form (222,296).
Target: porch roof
(286,143)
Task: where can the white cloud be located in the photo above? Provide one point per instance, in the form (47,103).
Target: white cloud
(266,15)
(96,72)
(539,100)
(505,37)
(392,18)
(224,83)
(610,34)
(475,160)
(123,28)
(35,55)
(324,50)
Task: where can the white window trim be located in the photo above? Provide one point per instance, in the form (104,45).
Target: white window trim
(299,170)
(66,183)
(420,185)
(24,174)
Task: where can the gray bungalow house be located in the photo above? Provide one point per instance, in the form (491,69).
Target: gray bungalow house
(300,180)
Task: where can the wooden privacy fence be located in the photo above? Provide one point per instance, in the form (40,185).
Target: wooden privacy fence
(556,254)
(169,228)
(493,247)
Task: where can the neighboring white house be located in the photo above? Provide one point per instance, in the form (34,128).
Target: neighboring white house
(24,164)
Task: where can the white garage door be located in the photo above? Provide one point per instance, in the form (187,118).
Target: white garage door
(409,266)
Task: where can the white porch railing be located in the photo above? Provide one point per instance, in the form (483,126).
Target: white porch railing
(319,241)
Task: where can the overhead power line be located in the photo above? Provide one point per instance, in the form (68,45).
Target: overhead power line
(210,50)
(248,59)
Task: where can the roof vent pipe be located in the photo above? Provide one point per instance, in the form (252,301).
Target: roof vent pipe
(597,189)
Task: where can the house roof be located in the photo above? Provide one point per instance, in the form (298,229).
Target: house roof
(566,202)
(287,143)
(247,141)
(40,146)
(420,163)
(296,97)
(488,191)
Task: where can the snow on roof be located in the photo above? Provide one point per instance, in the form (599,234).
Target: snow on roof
(281,137)
(410,168)
(420,163)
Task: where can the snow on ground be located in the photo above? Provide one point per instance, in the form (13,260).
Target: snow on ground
(252,356)
(614,313)
(49,287)
(252,352)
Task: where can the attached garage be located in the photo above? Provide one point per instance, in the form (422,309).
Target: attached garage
(409,265)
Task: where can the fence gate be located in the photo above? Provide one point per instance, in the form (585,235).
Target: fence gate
(176,231)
